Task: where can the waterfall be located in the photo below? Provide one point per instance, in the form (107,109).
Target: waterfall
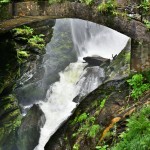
(88,39)
(93,39)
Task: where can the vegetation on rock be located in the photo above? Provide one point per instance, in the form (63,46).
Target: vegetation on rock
(108,6)
(137,134)
(138,85)
(26,34)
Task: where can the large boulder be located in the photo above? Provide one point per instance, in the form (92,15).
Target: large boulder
(29,131)
(69,135)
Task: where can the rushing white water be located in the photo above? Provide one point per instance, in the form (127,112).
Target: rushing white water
(88,39)
(59,103)
(93,39)
(91,78)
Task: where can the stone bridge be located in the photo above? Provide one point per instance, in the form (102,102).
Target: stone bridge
(133,27)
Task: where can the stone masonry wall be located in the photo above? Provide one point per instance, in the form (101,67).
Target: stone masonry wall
(134,28)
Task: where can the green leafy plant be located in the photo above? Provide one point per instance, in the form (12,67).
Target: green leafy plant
(94,129)
(4,1)
(91,120)
(55,1)
(87,2)
(80,118)
(26,34)
(138,86)
(76,147)
(104,147)
(102,104)
(108,6)
(145,6)
(147,24)
(22,55)
(37,41)
(137,134)
(24,31)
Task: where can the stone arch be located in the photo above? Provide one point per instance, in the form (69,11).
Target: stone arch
(136,30)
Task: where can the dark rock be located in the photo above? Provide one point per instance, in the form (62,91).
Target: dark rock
(10,117)
(96,60)
(63,138)
(29,131)
(120,65)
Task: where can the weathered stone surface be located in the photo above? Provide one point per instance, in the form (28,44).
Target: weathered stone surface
(29,131)
(133,27)
(10,114)
(96,60)
(81,11)
(75,133)
(5,11)
(18,21)
(64,139)
(119,66)
(10,117)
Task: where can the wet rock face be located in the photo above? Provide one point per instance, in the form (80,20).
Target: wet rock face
(75,132)
(120,65)
(96,60)
(10,120)
(29,131)
(10,115)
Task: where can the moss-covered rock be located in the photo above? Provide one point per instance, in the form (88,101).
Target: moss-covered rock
(120,65)
(10,121)
(96,121)
(11,67)
(99,107)
(10,115)
(29,131)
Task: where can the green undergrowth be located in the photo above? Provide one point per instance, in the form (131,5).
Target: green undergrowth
(139,84)
(87,2)
(108,6)
(10,122)
(144,6)
(87,124)
(147,24)
(137,134)
(28,41)
(27,35)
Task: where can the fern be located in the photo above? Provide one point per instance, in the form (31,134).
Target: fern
(137,136)
(94,130)
(138,86)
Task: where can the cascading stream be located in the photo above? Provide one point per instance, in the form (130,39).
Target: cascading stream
(59,102)
(88,39)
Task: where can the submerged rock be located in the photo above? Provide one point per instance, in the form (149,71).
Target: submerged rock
(29,131)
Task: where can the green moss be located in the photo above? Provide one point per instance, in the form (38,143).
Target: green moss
(120,66)
(9,123)
(27,36)
(94,129)
(76,147)
(25,31)
(108,6)
(87,2)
